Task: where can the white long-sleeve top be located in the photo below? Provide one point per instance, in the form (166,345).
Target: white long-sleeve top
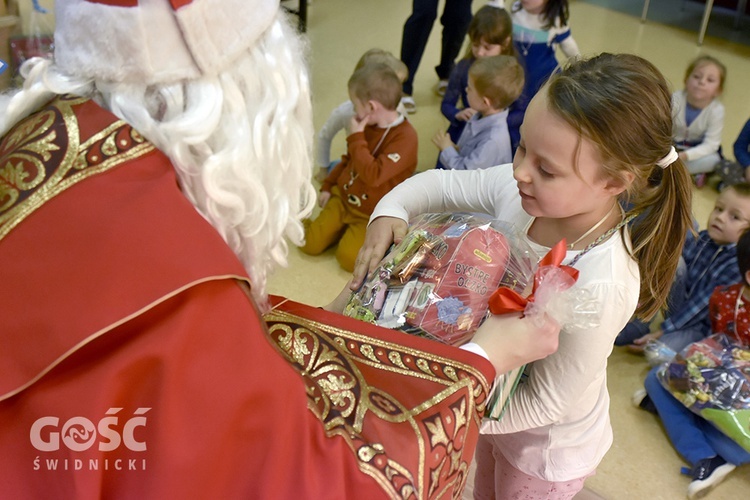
(556,426)
(705,131)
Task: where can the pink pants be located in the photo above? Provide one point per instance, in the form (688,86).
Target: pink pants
(497,479)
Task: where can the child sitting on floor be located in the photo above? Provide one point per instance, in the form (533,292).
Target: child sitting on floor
(381,152)
(341,114)
(710,452)
(490,34)
(698,116)
(707,261)
(494,83)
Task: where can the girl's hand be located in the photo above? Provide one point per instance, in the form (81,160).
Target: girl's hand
(323,198)
(465,114)
(380,234)
(511,341)
(442,140)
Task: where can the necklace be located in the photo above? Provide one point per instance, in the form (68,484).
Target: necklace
(601,238)
(525,45)
(593,228)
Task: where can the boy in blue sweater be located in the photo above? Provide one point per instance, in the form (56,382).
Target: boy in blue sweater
(494,83)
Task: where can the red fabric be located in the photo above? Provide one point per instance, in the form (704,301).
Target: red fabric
(729,313)
(121,303)
(409,407)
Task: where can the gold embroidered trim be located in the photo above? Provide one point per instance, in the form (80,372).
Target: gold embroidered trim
(340,396)
(41,157)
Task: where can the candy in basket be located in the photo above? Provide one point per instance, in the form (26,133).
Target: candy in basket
(438,280)
(711,377)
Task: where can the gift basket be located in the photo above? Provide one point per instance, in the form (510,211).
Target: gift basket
(441,279)
(711,377)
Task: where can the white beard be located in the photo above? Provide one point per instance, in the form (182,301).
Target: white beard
(240,141)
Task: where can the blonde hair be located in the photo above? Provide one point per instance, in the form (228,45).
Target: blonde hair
(494,26)
(498,78)
(242,148)
(622,104)
(376,82)
(383,56)
(706,59)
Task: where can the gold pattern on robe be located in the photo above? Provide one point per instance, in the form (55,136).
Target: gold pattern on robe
(42,156)
(329,358)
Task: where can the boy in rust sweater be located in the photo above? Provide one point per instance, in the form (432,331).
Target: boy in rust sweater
(381,152)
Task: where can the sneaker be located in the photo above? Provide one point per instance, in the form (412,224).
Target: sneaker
(707,473)
(409,105)
(442,86)
(642,400)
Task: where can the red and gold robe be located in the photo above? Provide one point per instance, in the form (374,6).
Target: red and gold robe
(134,363)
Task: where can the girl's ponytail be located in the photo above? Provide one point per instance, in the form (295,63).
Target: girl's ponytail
(623,104)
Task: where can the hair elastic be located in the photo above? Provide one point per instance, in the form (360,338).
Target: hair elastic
(671,157)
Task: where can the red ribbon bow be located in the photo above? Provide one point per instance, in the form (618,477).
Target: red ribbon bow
(505,300)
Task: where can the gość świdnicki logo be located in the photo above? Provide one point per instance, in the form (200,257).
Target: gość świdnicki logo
(79,434)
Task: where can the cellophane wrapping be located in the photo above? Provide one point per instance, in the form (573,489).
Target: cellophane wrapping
(438,280)
(711,377)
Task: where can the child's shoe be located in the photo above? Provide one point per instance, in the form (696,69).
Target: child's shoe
(707,473)
(442,86)
(409,105)
(642,400)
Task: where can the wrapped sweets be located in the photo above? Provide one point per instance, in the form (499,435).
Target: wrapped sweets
(711,377)
(438,280)
(450,269)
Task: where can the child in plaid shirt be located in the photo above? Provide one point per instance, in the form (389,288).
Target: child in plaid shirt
(711,454)
(707,261)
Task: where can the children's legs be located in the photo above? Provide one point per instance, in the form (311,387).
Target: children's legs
(704,164)
(725,446)
(416,32)
(682,426)
(509,482)
(326,229)
(351,241)
(455,20)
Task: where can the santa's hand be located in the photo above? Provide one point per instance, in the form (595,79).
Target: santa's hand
(380,234)
(511,341)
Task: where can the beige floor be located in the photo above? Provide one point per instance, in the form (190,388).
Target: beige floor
(641,464)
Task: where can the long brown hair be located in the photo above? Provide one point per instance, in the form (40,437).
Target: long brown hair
(622,103)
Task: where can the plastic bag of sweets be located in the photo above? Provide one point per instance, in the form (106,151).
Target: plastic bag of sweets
(438,280)
(711,377)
